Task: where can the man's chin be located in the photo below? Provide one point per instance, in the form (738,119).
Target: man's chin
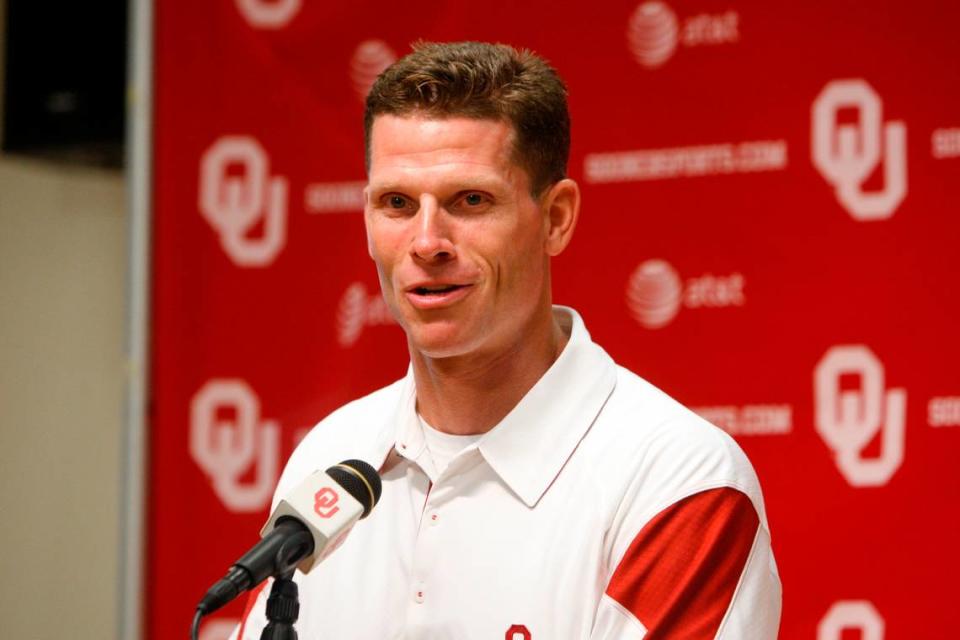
(438,342)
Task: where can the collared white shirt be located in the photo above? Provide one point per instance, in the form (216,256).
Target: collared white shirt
(598,508)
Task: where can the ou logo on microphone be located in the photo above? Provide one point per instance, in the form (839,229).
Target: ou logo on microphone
(848,420)
(847,154)
(235,204)
(269,14)
(325,502)
(227,447)
(851,614)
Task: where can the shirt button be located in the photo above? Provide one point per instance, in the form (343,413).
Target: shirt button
(418,595)
(434,518)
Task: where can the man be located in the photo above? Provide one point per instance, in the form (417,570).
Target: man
(532,488)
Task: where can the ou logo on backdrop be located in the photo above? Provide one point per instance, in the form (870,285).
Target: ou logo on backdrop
(235,204)
(851,614)
(269,14)
(848,420)
(847,154)
(227,448)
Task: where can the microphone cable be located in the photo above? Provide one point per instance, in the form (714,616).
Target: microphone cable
(195,630)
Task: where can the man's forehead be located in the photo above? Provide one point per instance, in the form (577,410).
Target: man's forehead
(418,132)
(420,142)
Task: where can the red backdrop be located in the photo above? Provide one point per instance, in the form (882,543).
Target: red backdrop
(770,233)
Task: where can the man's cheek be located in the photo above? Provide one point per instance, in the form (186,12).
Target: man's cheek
(381,259)
(386,286)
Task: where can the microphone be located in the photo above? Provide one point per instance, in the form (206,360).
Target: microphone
(306,527)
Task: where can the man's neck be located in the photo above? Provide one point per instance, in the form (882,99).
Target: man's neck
(471,394)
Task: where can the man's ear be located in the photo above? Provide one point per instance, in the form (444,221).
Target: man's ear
(561,211)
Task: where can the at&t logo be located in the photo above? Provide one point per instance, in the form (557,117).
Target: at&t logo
(655,293)
(848,154)
(237,195)
(359,309)
(654,32)
(369,61)
(228,439)
(268,14)
(848,419)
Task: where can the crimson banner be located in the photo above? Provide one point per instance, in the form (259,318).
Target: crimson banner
(770,233)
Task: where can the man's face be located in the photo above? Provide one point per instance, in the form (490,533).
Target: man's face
(459,242)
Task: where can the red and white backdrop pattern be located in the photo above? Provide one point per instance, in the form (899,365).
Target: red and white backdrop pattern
(770,233)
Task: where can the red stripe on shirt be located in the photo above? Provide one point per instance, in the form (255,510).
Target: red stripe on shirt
(680,572)
(251,601)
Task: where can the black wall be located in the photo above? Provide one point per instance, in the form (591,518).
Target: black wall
(65,79)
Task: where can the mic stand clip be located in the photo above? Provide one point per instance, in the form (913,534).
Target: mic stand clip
(283,609)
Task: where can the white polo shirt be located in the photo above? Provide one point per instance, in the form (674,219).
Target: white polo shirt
(598,508)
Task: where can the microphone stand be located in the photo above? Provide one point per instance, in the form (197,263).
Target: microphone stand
(283,609)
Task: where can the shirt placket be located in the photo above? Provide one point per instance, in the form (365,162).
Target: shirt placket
(427,574)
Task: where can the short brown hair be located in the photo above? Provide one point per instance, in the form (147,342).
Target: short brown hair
(483,81)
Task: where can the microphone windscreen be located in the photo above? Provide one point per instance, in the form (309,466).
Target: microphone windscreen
(360,480)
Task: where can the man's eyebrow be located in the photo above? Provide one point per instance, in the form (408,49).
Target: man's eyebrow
(481,183)
(472,183)
(384,187)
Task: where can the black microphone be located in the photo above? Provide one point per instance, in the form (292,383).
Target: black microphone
(307,525)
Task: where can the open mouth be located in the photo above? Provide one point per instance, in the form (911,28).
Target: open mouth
(437,290)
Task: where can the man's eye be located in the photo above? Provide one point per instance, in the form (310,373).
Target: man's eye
(397,202)
(473,199)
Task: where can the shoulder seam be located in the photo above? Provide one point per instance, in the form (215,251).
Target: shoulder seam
(629,615)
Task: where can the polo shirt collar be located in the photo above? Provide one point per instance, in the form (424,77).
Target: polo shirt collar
(532,443)
(401,436)
(530,446)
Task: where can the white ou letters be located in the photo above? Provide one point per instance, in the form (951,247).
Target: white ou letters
(847,154)
(227,446)
(268,14)
(851,614)
(234,204)
(848,420)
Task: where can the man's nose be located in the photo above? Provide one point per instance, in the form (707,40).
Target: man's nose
(432,240)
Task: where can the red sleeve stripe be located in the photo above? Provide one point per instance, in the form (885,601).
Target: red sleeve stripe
(680,572)
(251,601)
